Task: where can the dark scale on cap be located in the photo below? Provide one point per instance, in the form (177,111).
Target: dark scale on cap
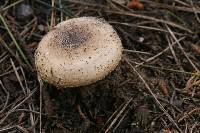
(72,37)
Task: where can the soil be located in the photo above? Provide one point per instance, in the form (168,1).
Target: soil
(154,89)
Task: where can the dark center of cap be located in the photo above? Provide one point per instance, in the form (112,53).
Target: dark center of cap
(72,37)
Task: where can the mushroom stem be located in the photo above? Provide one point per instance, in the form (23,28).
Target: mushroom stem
(80,102)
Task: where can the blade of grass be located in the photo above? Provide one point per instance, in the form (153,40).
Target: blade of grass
(61,13)
(15,42)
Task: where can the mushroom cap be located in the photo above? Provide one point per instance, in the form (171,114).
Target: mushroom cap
(78,52)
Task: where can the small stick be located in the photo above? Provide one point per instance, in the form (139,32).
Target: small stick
(11,5)
(7,98)
(53,14)
(174,54)
(174,37)
(119,114)
(30,104)
(41,87)
(160,53)
(61,12)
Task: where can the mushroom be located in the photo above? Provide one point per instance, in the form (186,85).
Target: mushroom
(78,52)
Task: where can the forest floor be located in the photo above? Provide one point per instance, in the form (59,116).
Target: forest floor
(155,88)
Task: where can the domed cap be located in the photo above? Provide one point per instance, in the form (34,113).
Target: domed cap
(78,52)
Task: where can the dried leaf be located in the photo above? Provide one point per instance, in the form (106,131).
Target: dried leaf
(196,48)
(135,4)
(164,87)
(100,121)
(170,131)
(167,131)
